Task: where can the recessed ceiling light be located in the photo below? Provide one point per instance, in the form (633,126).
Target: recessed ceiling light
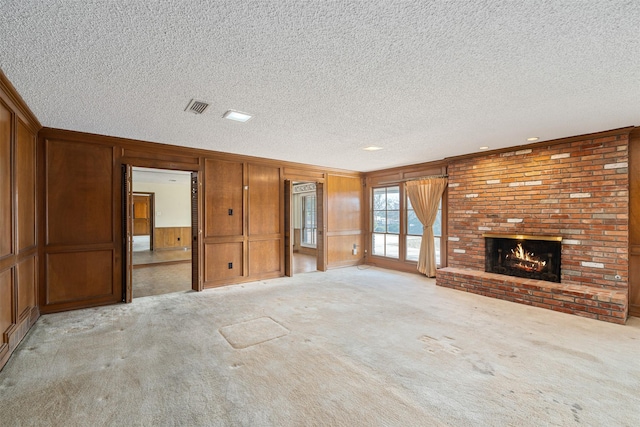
(372,148)
(533,138)
(484,147)
(236,116)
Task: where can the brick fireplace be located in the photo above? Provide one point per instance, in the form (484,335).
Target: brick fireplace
(529,257)
(575,190)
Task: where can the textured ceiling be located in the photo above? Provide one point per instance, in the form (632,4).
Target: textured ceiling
(323,79)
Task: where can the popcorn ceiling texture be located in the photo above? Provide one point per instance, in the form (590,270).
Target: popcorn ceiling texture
(424,80)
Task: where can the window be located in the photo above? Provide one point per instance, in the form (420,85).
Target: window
(437,232)
(414,234)
(386,222)
(396,229)
(309,221)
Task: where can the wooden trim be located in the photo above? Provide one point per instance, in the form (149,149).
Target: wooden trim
(344,233)
(437,167)
(10,95)
(160,149)
(394,264)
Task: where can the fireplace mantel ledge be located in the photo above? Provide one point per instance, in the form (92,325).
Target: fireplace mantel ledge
(587,301)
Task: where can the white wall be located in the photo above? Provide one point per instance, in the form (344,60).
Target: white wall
(173,202)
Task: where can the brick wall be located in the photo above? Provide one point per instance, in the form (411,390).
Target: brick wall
(577,190)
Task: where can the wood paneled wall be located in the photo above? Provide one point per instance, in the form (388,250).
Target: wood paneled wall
(172,238)
(241,211)
(18,220)
(344,225)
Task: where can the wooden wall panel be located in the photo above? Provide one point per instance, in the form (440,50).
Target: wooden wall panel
(217,259)
(26,284)
(223,192)
(344,220)
(340,250)
(6,241)
(172,237)
(264,256)
(6,302)
(79,193)
(344,198)
(26,187)
(79,276)
(265,191)
(18,219)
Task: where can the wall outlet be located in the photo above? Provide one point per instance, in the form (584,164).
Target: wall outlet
(354,251)
(230,266)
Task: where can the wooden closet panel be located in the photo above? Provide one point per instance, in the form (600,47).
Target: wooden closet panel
(264,256)
(264,200)
(217,259)
(344,200)
(26,284)
(223,192)
(77,276)
(26,184)
(6,242)
(340,250)
(6,303)
(79,193)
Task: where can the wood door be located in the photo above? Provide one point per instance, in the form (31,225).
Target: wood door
(196,283)
(288,229)
(321,215)
(127,215)
(141,215)
(82,251)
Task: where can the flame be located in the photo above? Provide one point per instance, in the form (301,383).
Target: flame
(526,260)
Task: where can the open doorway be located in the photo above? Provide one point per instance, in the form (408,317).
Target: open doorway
(304,227)
(161,225)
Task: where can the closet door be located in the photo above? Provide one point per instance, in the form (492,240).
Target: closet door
(83,231)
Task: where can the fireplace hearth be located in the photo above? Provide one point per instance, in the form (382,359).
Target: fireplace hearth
(531,257)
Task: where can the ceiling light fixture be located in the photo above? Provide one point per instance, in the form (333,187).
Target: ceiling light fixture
(372,148)
(533,138)
(237,116)
(484,147)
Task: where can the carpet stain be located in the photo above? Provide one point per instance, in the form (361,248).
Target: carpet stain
(435,345)
(483,367)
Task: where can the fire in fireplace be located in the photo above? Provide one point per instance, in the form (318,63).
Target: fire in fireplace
(532,257)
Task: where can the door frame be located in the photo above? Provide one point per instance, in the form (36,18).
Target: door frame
(127,224)
(289,226)
(152,215)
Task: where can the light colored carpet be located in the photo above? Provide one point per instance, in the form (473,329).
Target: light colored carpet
(349,347)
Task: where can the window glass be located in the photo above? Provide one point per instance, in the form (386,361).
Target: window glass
(386,222)
(309,220)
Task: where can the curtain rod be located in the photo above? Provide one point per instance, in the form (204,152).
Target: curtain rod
(397,181)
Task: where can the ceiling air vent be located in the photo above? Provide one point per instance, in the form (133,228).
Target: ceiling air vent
(196,107)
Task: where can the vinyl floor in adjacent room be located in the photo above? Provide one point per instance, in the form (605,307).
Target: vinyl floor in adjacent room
(347,347)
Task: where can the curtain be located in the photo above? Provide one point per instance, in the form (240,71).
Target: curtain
(425,197)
